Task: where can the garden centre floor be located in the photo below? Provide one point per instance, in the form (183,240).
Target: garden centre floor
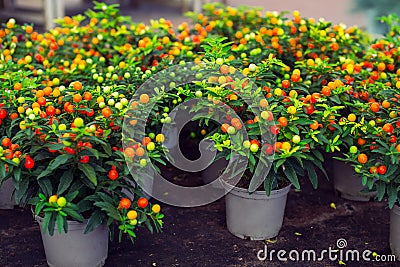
(199,237)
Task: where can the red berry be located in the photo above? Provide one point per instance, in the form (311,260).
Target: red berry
(381,169)
(142,202)
(29,163)
(113,174)
(84,159)
(3,114)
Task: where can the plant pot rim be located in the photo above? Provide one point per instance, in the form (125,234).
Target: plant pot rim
(39,218)
(396,209)
(259,194)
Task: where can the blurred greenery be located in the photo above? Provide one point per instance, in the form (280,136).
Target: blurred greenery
(377,9)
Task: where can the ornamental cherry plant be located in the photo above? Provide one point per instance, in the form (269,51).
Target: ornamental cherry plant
(75,170)
(283,119)
(61,138)
(373,117)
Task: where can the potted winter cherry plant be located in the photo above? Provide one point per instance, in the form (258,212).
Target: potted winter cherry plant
(61,143)
(277,139)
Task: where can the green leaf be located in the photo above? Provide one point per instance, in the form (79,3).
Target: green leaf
(21,190)
(109,209)
(392,194)
(318,155)
(149,226)
(46,221)
(17,174)
(73,214)
(52,223)
(46,186)
(60,223)
(89,172)
(71,196)
(58,161)
(65,182)
(291,175)
(95,220)
(2,170)
(381,189)
(39,207)
(312,175)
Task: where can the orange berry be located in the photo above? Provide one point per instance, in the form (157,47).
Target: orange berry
(77,85)
(6,142)
(283,121)
(144,98)
(106,112)
(129,152)
(140,151)
(360,141)
(77,98)
(18,86)
(374,106)
(385,104)
(263,103)
(47,91)
(87,96)
(362,158)
(224,127)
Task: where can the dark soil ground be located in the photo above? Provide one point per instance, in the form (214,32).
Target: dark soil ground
(199,236)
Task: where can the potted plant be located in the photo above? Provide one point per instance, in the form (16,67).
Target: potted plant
(376,158)
(61,138)
(283,147)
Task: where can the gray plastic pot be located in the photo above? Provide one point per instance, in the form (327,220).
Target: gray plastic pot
(75,248)
(255,216)
(213,171)
(347,184)
(6,191)
(395,231)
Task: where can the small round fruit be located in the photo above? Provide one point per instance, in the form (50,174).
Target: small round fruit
(143,162)
(246,144)
(78,122)
(160,138)
(133,222)
(61,202)
(62,127)
(132,214)
(142,202)
(254,148)
(144,98)
(265,114)
(296,139)
(156,208)
(125,203)
(286,146)
(382,169)
(362,158)
(199,94)
(53,199)
(291,110)
(151,146)
(353,149)
(231,130)
(352,117)
(168,120)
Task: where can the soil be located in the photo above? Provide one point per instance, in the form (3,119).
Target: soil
(199,236)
